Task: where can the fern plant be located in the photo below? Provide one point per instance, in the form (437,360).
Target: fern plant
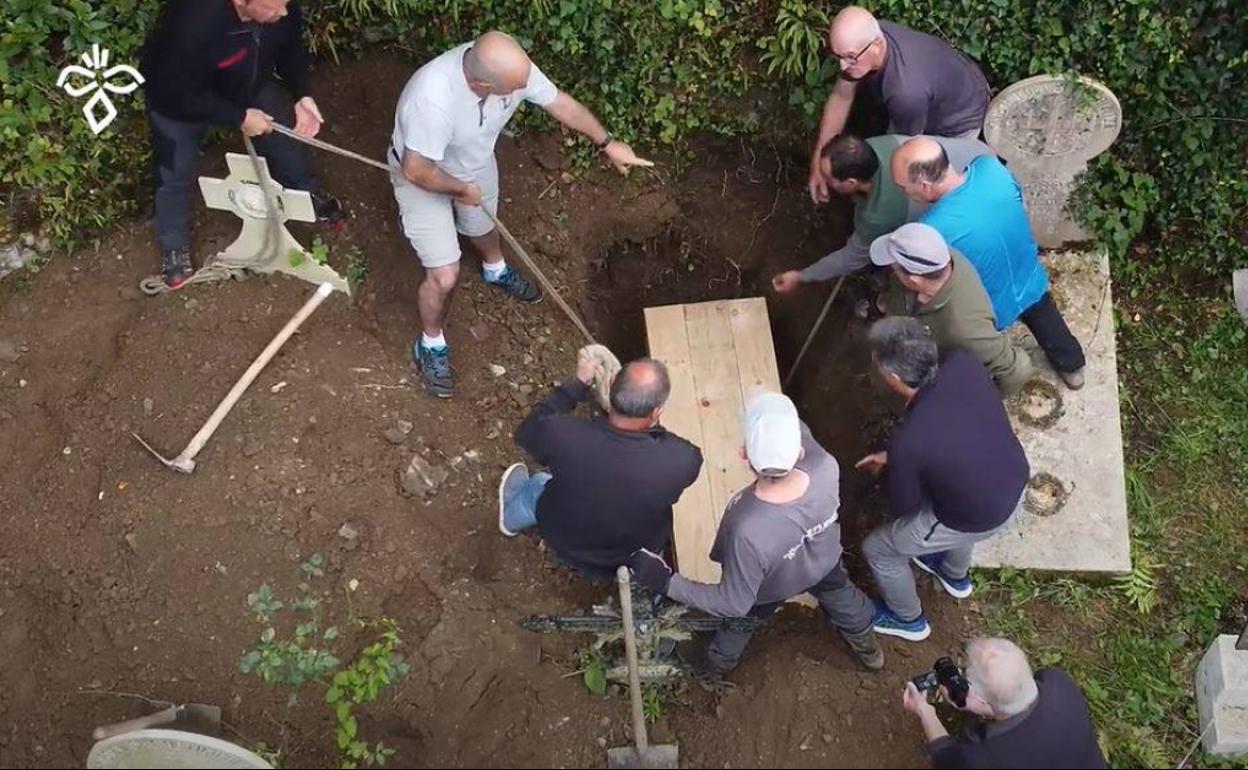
(1140,585)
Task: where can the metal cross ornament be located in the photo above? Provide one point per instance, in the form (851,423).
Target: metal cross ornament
(241,193)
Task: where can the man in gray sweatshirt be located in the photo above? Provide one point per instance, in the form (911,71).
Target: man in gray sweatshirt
(779,537)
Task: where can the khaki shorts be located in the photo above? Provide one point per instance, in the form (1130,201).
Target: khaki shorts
(431,220)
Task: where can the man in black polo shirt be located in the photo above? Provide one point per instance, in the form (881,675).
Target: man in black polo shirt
(955,472)
(211,63)
(1024,721)
(610,483)
(926,86)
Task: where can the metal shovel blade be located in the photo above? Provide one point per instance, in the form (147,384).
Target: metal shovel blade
(200,718)
(661,756)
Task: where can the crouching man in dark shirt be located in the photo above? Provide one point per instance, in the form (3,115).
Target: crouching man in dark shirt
(610,484)
(1021,720)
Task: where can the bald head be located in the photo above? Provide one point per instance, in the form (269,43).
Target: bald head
(1000,675)
(640,389)
(496,64)
(857,43)
(920,167)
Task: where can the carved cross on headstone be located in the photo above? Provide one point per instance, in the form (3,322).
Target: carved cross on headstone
(241,193)
(1048,134)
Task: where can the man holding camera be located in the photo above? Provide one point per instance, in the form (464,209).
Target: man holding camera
(1023,720)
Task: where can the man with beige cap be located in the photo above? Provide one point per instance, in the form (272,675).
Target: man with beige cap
(779,537)
(448,119)
(938,286)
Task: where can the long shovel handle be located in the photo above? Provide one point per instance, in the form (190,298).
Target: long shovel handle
(162,717)
(249,376)
(813,331)
(630,651)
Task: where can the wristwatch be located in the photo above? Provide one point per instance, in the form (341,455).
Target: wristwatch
(608,139)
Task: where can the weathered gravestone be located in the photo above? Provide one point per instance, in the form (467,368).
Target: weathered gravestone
(1047,129)
(170,749)
(241,193)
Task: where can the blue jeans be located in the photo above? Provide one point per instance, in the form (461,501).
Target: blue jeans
(520,512)
(175,154)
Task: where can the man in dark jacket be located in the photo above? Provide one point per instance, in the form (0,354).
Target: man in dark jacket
(610,484)
(1023,720)
(211,62)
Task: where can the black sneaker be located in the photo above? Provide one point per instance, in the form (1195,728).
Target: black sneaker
(515,284)
(435,369)
(329,211)
(175,267)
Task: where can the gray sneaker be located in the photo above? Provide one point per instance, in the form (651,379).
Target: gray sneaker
(865,648)
(515,284)
(1073,380)
(435,369)
(508,487)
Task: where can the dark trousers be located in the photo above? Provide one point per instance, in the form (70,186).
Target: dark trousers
(1050,330)
(844,606)
(175,152)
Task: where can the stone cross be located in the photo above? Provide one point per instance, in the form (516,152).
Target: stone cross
(241,193)
(1047,132)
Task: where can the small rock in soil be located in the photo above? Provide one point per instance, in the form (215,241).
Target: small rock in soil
(9,351)
(191,304)
(422,478)
(405,426)
(479,331)
(348,532)
(526,389)
(148,406)
(551,159)
(827,737)
(133,542)
(394,435)
(521,399)
(497,370)
(251,446)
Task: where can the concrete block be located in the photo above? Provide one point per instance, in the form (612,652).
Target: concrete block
(1076,509)
(1222,698)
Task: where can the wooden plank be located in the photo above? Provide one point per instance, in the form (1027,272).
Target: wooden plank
(756,355)
(713,354)
(693,522)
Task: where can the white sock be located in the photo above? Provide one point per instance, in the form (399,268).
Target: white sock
(493,270)
(432,343)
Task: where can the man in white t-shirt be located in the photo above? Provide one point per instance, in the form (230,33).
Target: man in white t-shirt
(442,155)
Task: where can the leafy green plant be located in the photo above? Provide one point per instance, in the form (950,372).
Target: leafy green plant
(305,656)
(653,702)
(593,670)
(1140,585)
(357,265)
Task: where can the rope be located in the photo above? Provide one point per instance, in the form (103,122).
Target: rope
(813,331)
(502,229)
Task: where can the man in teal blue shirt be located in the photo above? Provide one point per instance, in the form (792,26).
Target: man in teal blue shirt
(980,213)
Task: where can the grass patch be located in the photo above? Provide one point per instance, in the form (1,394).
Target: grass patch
(1134,643)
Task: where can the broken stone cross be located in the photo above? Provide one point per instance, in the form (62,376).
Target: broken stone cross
(241,193)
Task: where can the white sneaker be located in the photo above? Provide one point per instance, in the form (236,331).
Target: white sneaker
(513,479)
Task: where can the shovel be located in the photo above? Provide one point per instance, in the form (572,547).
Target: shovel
(642,754)
(195,717)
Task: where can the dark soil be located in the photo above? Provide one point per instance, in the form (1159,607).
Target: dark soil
(119,577)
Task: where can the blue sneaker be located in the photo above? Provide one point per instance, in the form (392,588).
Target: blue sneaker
(514,284)
(435,369)
(958,588)
(889,624)
(509,486)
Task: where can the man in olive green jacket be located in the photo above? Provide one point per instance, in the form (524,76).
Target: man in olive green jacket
(939,287)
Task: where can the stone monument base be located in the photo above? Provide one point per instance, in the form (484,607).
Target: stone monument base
(1222,698)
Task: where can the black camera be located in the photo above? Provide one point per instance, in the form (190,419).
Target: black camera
(945,673)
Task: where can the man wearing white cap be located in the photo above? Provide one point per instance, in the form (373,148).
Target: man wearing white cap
(779,537)
(941,288)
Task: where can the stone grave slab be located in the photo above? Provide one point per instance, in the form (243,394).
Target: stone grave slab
(1047,131)
(1222,698)
(1076,508)
(170,749)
